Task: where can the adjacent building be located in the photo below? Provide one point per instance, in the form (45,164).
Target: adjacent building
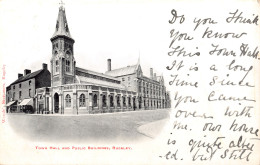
(151,92)
(20,94)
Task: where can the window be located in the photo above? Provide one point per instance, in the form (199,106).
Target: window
(139,85)
(20,94)
(57,66)
(104,103)
(29,92)
(118,101)
(129,101)
(124,104)
(82,100)
(20,85)
(95,100)
(123,79)
(67,66)
(14,87)
(68,100)
(30,82)
(13,95)
(111,101)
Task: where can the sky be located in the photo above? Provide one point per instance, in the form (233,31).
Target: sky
(101,30)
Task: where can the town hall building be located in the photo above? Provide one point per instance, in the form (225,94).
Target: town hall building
(75,90)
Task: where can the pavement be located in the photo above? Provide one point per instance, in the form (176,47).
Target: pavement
(152,129)
(109,127)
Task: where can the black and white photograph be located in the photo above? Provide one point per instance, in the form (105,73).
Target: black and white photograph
(129,82)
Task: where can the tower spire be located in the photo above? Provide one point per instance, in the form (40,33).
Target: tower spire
(61,4)
(138,62)
(62,28)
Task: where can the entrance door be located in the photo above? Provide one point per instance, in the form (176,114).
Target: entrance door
(56,103)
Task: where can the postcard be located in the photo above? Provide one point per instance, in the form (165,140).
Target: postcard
(129,82)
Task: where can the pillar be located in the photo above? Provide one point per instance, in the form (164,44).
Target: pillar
(107,103)
(90,102)
(51,105)
(44,103)
(60,103)
(53,108)
(144,102)
(100,103)
(121,103)
(114,101)
(74,102)
(36,103)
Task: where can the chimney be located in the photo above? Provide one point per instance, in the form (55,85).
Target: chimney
(151,73)
(44,66)
(155,78)
(108,64)
(20,75)
(26,71)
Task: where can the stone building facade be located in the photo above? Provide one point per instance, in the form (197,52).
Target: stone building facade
(151,92)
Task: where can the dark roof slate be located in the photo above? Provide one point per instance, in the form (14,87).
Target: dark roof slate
(27,77)
(62,28)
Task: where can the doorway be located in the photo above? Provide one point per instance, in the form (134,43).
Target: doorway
(56,103)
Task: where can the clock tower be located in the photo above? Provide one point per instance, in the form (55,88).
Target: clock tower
(63,64)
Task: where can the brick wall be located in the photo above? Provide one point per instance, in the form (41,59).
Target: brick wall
(43,79)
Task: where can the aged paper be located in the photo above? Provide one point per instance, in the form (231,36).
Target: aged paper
(206,51)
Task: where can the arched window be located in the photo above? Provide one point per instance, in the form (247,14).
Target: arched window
(124,104)
(82,100)
(95,100)
(129,101)
(57,65)
(111,101)
(67,66)
(118,101)
(68,100)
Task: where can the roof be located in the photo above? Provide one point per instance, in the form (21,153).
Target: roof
(10,103)
(122,71)
(28,76)
(27,102)
(95,73)
(62,28)
(92,81)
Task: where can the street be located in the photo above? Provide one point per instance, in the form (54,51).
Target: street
(109,127)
